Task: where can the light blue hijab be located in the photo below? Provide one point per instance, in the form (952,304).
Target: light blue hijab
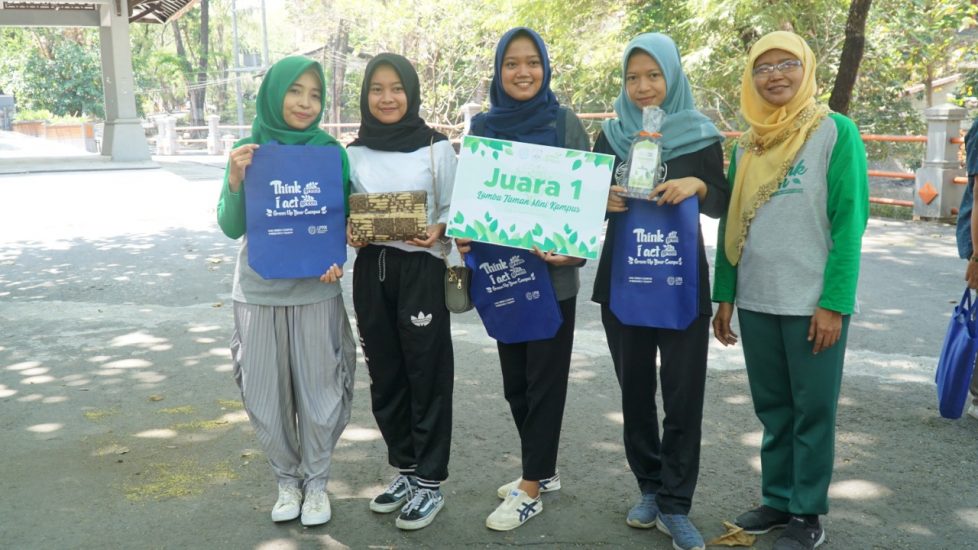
(684,129)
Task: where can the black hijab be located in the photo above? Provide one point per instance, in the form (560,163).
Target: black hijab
(406,135)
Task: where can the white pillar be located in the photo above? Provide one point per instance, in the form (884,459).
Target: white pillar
(213,140)
(469,110)
(161,139)
(172,143)
(940,166)
(124,139)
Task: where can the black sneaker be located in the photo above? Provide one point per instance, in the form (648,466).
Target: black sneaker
(397,493)
(762,520)
(800,535)
(421,509)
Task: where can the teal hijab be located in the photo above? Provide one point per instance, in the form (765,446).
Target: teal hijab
(684,129)
(269,124)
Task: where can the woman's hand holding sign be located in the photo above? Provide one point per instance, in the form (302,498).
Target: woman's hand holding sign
(616,202)
(556,259)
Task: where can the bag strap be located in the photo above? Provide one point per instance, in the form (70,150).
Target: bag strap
(445,241)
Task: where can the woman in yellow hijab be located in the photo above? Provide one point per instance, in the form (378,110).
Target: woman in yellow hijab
(788,256)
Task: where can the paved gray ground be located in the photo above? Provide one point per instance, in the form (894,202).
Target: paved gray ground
(123,429)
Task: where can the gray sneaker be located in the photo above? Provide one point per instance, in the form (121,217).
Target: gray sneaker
(684,534)
(643,514)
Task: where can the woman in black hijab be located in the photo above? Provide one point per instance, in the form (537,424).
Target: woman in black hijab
(399,295)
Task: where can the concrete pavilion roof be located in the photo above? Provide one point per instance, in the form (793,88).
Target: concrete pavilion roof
(142,11)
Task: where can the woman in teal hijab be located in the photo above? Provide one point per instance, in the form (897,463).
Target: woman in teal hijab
(665,468)
(292,350)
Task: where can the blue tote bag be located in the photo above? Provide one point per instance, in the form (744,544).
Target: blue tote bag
(654,265)
(294,211)
(512,292)
(957,362)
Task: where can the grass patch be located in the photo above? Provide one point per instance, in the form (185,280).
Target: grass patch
(197,425)
(890,211)
(231,404)
(181,479)
(96,415)
(186,409)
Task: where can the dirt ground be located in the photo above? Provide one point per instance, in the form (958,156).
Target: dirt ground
(123,428)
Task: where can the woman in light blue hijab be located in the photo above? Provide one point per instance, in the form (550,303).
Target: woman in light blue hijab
(666,467)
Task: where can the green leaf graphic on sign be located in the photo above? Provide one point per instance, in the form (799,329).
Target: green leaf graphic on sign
(459,218)
(488,217)
(577,164)
(567,228)
(537,230)
(573,237)
(494,225)
(495,155)
(593,240)
(512,228)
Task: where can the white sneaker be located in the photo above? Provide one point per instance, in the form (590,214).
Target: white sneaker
(315,509)
(287,506)
(516,509)
(547,485)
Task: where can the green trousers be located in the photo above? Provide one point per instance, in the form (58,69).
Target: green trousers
(795,397)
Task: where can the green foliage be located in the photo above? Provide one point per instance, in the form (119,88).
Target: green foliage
(452,42)
(51,70)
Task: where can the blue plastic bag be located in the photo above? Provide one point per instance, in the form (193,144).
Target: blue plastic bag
(655,265)
(957,362)
(512,292)
(294,211)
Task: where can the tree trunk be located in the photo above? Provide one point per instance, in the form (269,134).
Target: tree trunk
(198,95)
(852,55)
(196,86)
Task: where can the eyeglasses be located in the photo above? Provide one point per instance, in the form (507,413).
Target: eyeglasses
(783,67)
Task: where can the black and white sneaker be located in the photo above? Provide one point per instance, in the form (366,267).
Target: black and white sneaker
(800,535)
(762,520)
(397,493)
(421,510)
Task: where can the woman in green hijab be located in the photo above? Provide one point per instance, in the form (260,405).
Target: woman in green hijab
(292,348)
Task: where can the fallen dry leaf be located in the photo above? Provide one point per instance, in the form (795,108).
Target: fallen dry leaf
(156,398)
(735,536)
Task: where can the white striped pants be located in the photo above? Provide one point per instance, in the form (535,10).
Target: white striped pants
(295,366)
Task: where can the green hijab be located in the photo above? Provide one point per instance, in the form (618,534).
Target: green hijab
(269,124)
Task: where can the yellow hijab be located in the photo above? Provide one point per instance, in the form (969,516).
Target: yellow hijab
(775,136)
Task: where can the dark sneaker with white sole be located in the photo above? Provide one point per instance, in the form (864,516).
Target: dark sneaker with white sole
(800,535)
(421,510)
(762,519)
(395,496)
